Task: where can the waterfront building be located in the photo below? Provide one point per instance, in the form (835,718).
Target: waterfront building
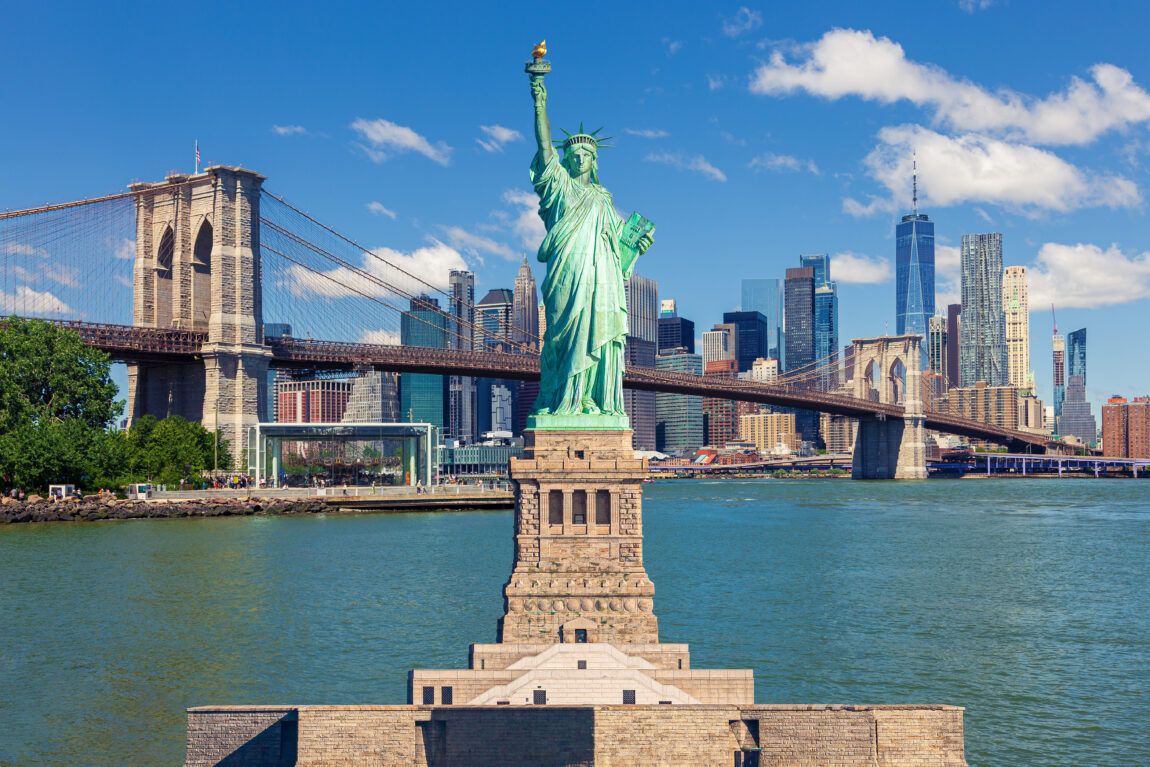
(766,298)
(1059,368)
(1016,305)
(640,405)
(997,405)
(982,345)
(642,308)
(953,336)
(914,273)
(678,417)
(422,395)
(314,401)
(751,339)
(765,370)
(524,312)
(838,432)
(494,317)
(720,416)
(770,430)
(937,344)
(462,400)
(720,343)
(1126,427)
(1076,355)
(1077,419)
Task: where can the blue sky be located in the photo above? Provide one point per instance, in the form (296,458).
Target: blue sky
(748,133)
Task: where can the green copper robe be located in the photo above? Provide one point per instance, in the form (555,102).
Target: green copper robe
(583,295)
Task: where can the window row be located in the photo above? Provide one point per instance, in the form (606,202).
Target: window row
(600,499)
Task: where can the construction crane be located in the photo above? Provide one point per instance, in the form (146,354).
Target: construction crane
(1054,317)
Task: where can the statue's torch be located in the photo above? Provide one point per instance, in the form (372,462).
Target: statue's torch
(537,67)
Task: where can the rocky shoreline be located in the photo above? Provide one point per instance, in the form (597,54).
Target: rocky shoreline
(92,508)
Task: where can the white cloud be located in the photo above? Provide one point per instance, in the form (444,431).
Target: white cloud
(475,244)
(848,62)
(714,82)
(497,137)
(947,275)
(431,264)
(20,249)
(123,280)
(860,268)
(26,301)
(1085,276)
(780,162)
(527,225)
(974,168)
(378,209)
(970,6)
(673,46)
(647,132)
(382,337)
(385,136)
(697,163)
(126,250)
(744,20)
(983,215)
(289,130)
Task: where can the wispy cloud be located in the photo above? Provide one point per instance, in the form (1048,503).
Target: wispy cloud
(289,130)
(770,161)
(378,209)
(697,163)
(647,132)
(476,244)
(385,137)
(714,82)
(744,20)
(858,268)
(672,46)
(431,264)
(381,336)
(970,6)
(526,224)
(25,300)
(126,249)
(497,137)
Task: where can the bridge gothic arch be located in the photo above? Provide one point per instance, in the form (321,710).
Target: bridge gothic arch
(165,257)
(888,371)
(202,275)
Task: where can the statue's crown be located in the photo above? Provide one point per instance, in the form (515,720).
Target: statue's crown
(587,139)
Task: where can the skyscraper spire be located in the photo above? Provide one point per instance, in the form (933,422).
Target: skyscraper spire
(914,178)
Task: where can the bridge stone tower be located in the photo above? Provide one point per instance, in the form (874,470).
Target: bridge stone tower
(889,448)
(198,269)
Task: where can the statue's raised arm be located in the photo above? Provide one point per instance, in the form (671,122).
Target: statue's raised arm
(542,125)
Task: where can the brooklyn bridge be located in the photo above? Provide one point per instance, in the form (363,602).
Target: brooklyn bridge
(177,279)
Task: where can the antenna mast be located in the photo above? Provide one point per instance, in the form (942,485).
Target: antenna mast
(914,177)
(1054,317)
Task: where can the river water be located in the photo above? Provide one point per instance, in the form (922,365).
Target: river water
(1025,601)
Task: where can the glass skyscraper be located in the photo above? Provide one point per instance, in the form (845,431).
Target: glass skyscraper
(982,352)
(421,395)
(1076,354)
(766,298)
(914,274)
(826,321)
(753,337)
(800,318)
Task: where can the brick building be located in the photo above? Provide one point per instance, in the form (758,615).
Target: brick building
(311,401)
(1126,427)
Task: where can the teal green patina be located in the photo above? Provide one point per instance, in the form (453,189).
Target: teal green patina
(589,252)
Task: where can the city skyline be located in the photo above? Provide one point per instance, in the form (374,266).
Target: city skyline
(742,113)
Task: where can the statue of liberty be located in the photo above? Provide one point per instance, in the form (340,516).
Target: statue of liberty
(589,252)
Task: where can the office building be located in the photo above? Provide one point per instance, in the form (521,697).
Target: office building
(765,370)
(461,392)
(494,330)
(1059,368)
(953,336)
(827,330)
(640,405)
(675,332)
(642,308)
(752,338)
(997,405)
(771,432)
(668,307)
(1076,355)
(678,417)
(1077,419)
(316,401)
(936,345)
(799,317)
(1016,305)
(766,298)
(821,263)
(982,344)
(720,343)
(720,416)
(374,398)
(914,273)
(422,395)
(838,432)
(1126,427)
(524,310)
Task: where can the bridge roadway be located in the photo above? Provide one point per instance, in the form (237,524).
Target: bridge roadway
(127,343)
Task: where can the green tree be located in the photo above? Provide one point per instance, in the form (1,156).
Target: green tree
(56,401)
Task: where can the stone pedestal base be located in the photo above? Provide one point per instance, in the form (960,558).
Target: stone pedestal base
(578,573)
(889,449)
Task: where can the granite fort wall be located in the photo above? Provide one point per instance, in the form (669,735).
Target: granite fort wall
(545,736)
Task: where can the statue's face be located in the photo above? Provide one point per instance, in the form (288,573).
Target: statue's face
(579,161)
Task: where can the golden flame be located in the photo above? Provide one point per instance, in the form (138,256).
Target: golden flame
(539,51)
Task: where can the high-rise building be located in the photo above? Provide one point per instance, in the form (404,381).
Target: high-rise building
(675,332)
(1059,363)
(542,325)
(765,370)
(982,345)
(493,317)
(524,312)
(720,343)
(752,339)
(937,345)
(1016,305)
(668,307)
(953,337)
(1077,418)
(799,318)
(640,405)
(766,298)
(720,416)
(461,392)
(821,263)
(315,401)
(914,273)
(422,395)
(642,308)
(1076,355)
(838,432)
(827,328)
(769,431)
(374,398)
(678,417)
(997,405)
(1126,427)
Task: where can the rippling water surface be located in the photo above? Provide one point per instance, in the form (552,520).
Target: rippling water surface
(1025,601)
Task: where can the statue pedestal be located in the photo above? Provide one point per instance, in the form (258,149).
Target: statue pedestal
(598,422)
(578,573)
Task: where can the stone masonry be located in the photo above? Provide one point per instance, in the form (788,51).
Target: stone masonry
(889,448)
(198,268)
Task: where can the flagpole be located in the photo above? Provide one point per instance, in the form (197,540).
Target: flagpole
(197,157)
